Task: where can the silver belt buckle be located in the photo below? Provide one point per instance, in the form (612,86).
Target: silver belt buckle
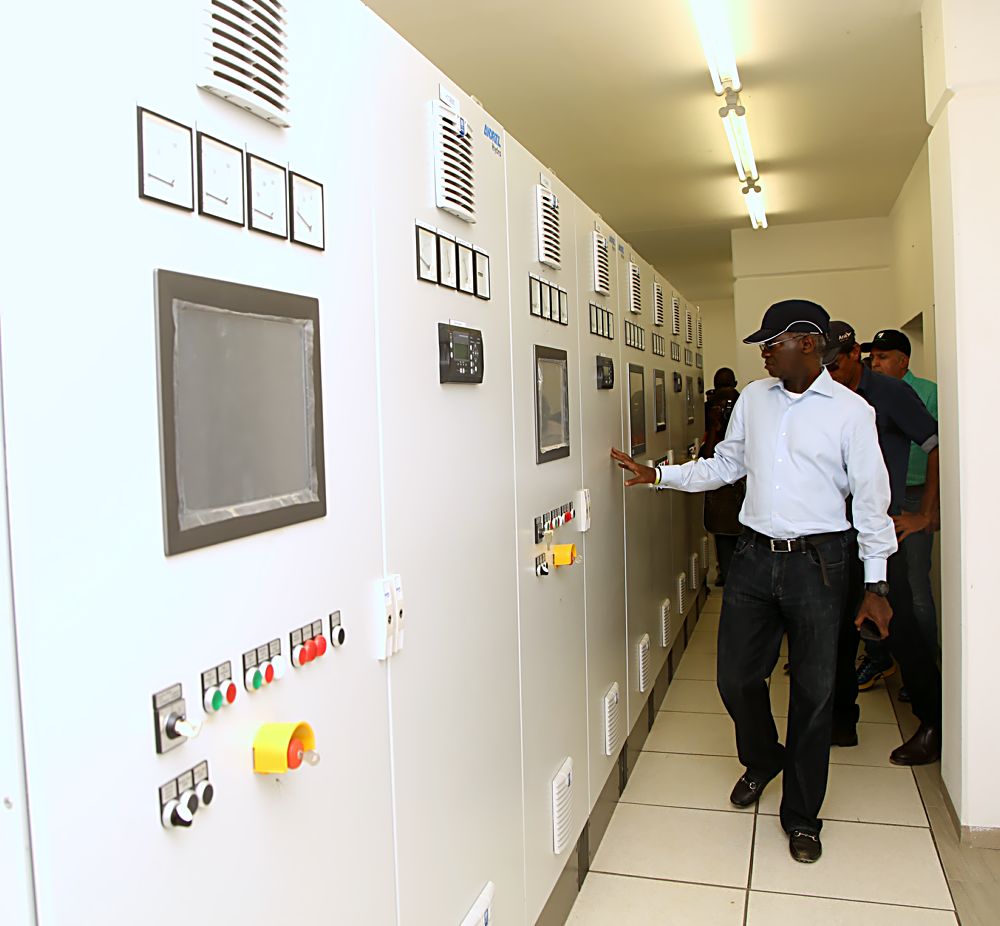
(781,546)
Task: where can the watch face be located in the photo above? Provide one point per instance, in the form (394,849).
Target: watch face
(466,283)
(482,264)
(220,180)
(447,272)
(267,205)
(305,197)
(165,165)
(427,262)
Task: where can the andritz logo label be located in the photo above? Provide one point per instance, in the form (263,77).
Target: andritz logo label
(494,138)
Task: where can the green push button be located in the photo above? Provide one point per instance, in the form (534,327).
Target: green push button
(217,701)
(258,679)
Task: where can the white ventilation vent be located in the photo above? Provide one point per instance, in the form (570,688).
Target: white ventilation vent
(454,175)
(704,550)
(244,56)
(695,571)
(682,593)
(688,325)
(612,719)
(643,663)
(675,316)
(602,265)
(700,336)
(549,236)
(562,807)
(658,317)
(634,289)
(665,626)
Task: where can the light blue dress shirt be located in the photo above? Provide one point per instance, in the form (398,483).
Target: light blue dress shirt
(803,455)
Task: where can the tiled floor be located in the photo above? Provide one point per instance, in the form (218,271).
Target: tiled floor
(678,852)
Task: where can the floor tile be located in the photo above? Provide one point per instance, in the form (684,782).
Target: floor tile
(612,900)
(790,910)
(708,621)
(704,734)
(697,781)
(861,861)
(703,641)
(683,845)
(863,794)
(875,742)
(876,707)
(691,695)
(696,666)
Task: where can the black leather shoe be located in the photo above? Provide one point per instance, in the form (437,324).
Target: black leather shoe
(922,748)
(804,847)
(748,790)
(844,734)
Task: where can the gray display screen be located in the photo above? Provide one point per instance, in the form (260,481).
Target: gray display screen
(551,404)
(636,409)
(241,416)
(243,413)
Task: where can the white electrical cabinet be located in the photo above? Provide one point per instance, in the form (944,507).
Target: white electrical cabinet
(448,495)
(647,512)
(105,619)
(547,446)
(600,412)
(301,364)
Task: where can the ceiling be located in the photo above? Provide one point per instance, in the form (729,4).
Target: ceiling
(617,100)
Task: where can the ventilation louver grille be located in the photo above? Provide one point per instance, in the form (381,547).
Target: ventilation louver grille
(454,166)
(704,550)
(688,325)
(549,237)
(701,332)
(682,593)
(245,56)
(695,571)
(562,807)
(665,626)
(644,663)
(602,265)
(634,289)
(657,305)
(612,719)
(675,315)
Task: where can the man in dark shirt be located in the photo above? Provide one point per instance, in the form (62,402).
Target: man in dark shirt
(722,506)
(901,418)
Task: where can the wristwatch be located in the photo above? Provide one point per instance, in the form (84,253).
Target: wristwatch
(878,588)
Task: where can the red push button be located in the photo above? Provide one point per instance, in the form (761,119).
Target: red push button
(229,689)
(320,645)
(268,673)
(310,647)
(295,752)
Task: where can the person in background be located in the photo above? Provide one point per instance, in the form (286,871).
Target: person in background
(901,418)
(804,443)
(722,506)
(889,353)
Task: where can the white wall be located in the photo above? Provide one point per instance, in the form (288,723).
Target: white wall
(844,266)
(721,339)
(961,85)
(913,265)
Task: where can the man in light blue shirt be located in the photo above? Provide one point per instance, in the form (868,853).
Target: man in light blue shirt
(805,443)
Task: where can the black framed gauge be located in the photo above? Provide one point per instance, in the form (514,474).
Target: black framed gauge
(166,171)
(220,180)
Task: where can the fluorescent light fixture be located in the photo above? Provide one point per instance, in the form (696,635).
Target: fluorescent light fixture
(713,28)
(735,123)
(755,206)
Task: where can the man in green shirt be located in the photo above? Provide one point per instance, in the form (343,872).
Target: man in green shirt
(890,355)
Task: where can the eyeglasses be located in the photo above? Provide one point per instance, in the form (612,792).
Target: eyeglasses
(766,346)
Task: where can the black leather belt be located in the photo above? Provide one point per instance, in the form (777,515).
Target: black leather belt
(793,544)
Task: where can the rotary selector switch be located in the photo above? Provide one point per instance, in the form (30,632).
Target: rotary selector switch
(180,812)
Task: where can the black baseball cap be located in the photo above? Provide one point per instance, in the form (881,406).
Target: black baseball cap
(888,339)
(792,315)
(840,340)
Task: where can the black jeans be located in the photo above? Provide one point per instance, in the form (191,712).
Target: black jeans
(769,594)
(913,651)
(725,545)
